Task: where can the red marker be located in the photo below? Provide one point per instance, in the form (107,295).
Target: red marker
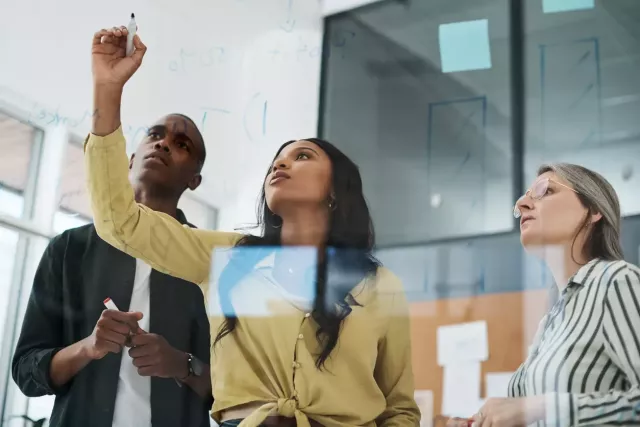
(110,304)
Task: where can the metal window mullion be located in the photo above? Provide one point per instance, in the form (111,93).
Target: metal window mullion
(518,95)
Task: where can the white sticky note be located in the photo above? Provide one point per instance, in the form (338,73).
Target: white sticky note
(497,384)
(553,6)
(461,389)
(465,46)
(424,400)
(462,342)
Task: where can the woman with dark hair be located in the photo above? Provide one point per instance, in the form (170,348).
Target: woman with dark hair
(338,357)
(584,365)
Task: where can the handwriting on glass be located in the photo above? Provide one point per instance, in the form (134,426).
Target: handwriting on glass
(253,119)
(54,118)
(212,56)
(289,23)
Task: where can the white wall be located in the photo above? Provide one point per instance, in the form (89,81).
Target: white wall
(247,72)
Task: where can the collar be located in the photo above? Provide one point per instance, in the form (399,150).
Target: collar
(182,219)
(581,276)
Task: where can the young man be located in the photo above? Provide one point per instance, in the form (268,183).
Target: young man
(147,364)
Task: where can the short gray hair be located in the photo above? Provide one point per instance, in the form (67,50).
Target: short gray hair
(598,196)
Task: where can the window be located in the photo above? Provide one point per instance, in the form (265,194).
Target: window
(583,88)
(74,207)
(18,143)
(418,95)
(21,255)
(197,213)
(8,248)
(462,269)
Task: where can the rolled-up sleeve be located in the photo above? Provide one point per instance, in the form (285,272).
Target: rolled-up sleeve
(157,238)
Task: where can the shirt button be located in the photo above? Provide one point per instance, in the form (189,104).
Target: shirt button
(300,336)
(307,315)
(295,365)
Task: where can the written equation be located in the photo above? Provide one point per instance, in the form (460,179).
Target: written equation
(253,119)
(217,55)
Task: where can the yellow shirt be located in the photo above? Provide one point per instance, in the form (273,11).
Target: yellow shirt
(367,379)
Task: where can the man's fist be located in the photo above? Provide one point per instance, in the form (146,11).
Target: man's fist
(111,333)
(109,63)
(154,357)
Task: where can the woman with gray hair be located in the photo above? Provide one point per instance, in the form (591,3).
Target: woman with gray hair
(584,365)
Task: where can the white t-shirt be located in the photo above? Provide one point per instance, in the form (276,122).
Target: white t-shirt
(133,398)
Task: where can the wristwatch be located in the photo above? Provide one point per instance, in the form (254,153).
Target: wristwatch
(196,367)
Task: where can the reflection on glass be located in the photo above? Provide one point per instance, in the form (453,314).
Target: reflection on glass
(262,281)
(270,281)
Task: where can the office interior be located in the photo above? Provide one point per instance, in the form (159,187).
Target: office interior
(448,107)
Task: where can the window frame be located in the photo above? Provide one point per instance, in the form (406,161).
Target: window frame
(27,229)
(517,76)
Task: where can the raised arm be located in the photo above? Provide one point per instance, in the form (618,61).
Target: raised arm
(154,237)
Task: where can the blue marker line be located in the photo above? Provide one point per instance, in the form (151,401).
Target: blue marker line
(264,118)
(289,23)
(215,110)
(244,117)
(588,138)
(577,102)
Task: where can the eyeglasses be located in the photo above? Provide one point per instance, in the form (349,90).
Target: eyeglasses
(537,192)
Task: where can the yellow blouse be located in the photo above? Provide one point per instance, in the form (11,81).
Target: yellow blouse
(368,378)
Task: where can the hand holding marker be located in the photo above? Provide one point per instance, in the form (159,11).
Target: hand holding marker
(131,32)
(111,333)
(168,362)
(110,305)
(108,302)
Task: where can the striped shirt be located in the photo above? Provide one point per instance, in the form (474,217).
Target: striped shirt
(585,357)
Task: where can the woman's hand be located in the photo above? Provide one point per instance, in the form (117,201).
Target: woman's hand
(109,63)
(510,412)
(458,422)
